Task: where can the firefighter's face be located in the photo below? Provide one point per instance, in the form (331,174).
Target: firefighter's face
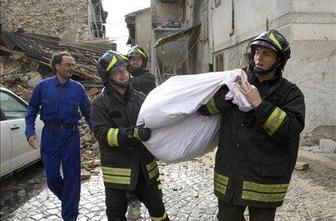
(136,62)
(264,58)
(120,75)
(66,68)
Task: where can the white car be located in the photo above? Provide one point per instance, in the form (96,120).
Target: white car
(15,150)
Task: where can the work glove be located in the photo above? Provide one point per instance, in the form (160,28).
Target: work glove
(132,136)
(141,133)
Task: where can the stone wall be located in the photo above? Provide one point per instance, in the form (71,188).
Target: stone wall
(65,19)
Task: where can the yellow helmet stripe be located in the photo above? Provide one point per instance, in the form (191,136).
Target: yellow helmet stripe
(142,53)
(124,57)
(275,41)
(112,62)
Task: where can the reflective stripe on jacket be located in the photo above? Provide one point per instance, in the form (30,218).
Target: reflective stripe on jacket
(120,164)
(257,150)
(122,176)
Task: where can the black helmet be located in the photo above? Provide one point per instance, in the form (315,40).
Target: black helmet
(109,62)
(273,40)
(138,51)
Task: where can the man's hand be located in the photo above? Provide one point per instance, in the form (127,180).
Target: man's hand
(33,141)
(250,92)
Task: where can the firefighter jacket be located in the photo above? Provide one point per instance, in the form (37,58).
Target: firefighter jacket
(121,164)
(143,81)
(257,150)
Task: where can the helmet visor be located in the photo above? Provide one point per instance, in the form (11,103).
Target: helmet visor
(265,44)
(119,65)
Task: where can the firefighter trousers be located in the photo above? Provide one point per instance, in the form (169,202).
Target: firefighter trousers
(150,196)
(60,153)
(229,212)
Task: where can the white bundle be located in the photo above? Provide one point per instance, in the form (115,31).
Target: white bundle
(179,133)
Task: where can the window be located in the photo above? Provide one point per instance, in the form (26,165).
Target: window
(12,107)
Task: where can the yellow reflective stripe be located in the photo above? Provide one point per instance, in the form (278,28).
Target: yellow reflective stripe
(275,41)
(141,53)
(151,165)
(263,197)
(117,179)
(220,187)
(264,192)
(221,178)
(112,137)
(112,62)
(152,169)
(124,57)
(274,120)
(212,107)
(153,172)
(220,182)
(116,171)
(160,218)
(136,133)
(116,175)
(160,186)
(265,188)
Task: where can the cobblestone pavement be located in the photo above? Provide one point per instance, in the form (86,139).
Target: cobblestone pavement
(188,195)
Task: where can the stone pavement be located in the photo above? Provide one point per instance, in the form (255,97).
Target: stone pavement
(188,196)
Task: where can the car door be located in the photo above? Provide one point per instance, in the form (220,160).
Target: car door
(15,145)
(5,147)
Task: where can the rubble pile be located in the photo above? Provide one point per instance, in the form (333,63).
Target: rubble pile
(89,151)
(39,48)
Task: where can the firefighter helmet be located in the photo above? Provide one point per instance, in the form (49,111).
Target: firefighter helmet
(109,62)
(275,41)
(138,51)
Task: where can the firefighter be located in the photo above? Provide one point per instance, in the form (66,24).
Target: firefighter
(142,80)
(58,99)
(126,164)
(258,149)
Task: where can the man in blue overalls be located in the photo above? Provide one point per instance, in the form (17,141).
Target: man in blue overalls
(58,100)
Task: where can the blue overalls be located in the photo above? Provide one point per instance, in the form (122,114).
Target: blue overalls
(60,142)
